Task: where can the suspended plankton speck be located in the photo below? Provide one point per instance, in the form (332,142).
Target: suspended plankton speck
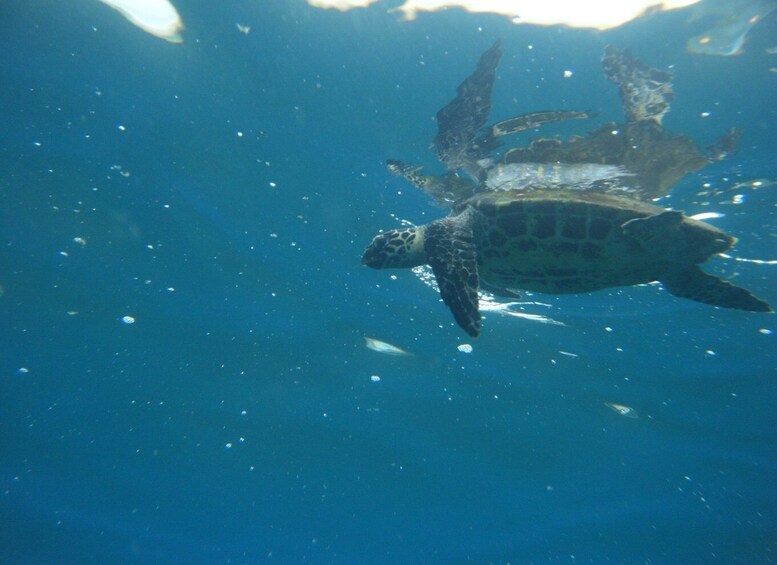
(568,73)
(465,348)
(383,347)
(23,370)
(623,410)
(705,114)
(128,320)
(80,241)
(375,378)
(764,331)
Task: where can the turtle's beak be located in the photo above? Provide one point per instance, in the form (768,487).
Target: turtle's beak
(374,255)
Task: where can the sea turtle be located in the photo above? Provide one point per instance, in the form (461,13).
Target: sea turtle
(463,143)
(559,241)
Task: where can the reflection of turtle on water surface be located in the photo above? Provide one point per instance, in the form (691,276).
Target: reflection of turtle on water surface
(462,142)
(559,241)
(657,158)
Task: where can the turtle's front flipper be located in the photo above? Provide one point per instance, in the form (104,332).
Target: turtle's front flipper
(460,120)
(443,189)
(451,253)
(695,284)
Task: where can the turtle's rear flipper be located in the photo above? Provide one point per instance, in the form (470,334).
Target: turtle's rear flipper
(695,284)
(725,145)
(451,253)
(645,92)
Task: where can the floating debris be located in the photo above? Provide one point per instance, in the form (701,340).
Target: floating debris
(465,348)
(623,410)
(243,29)
(383,347)
(375,378)
(128,320)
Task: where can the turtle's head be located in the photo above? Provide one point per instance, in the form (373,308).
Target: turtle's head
(396,249)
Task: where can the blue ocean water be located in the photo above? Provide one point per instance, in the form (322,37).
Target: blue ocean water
(220,193)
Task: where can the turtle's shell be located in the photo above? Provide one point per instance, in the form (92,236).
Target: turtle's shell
(574,241)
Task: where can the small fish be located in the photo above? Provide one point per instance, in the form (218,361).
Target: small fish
(623,410)
(383,347)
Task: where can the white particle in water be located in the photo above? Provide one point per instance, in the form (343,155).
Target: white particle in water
(465,348)
(23,370)
(128,320)
(375,378)
(228,445)
(764,331)
(568,73)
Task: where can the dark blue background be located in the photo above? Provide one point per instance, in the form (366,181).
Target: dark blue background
(113,446)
